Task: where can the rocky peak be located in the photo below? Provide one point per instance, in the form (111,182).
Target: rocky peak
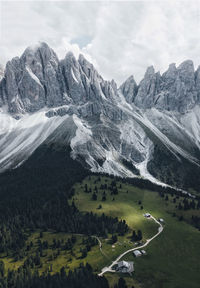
(186,66)
(149,72)
(89,69)
(175,90)
(74,88)
(71,60)
(129,89)
(33,81)
(186,73)
(114,85)
(171,72)
(83,82)
(148,88)
(86,66)
(41,53)
(38,79)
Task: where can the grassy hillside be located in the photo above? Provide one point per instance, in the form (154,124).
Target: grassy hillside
(172,259)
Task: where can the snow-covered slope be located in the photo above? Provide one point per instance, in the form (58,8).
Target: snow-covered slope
(19,138)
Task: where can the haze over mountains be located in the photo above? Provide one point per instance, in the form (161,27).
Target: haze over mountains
(151,129)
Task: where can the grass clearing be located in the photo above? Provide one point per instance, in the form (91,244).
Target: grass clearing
(173,259)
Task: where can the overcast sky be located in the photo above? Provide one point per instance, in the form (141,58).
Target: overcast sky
(120,38)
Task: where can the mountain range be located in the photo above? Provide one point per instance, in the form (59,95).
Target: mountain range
(149,130)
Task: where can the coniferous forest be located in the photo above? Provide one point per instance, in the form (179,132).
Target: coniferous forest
(35,196)
(39,196)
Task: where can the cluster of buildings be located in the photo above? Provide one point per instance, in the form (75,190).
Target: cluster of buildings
(128,266)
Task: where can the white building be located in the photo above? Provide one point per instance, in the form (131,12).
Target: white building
(124,267)
(137,253)
(147,215)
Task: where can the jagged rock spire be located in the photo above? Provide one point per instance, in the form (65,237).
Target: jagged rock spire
(129,89)
(38,79)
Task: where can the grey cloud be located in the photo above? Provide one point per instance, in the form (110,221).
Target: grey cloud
(120,38)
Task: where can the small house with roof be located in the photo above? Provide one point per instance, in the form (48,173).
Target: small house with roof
(137,253)
(125,267)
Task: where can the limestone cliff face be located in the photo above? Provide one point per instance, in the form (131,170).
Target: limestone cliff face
(117,131)
(178,89)
(129,89)
(38,79)
(32,81)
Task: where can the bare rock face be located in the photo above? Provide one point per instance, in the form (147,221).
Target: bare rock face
(33,81)
(41,66)
(84,87)
(38,79)
(129,89)
(178,89)
(149,87)
(91,114)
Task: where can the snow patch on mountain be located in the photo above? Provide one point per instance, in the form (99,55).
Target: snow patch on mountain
(175,149)
(7,122)
(33,76)
(83,132)
(24,136)
(73,76)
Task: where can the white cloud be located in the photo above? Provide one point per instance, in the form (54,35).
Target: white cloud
(120,38)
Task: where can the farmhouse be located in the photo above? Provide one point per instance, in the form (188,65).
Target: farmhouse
(137,253)
(125,267)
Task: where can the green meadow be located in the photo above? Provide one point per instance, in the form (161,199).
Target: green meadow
(172,259)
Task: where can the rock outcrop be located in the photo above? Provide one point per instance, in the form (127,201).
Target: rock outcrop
(68,101)
(129,89)
(32,81)
(38,79)
(178,89)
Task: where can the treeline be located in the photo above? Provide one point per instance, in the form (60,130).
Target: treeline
(35,196)
(184,203)
(57,215)
(40,250)
(144,184)
(82,277)
(110,188)
(136,236)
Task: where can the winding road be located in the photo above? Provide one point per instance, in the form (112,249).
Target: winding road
(109,268)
